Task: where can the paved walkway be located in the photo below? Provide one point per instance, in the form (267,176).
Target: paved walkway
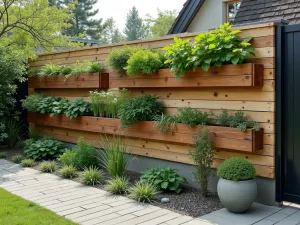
(91,206)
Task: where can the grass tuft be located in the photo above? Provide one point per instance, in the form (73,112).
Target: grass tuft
(17,159)
(143,192)
(48,167)
(27,163)
(118,185)
(68,172)
(92,176)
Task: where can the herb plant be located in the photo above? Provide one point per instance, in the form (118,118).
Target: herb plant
(143,192)
(68,157)
(96,67)
(192,117)
(66,70)
(165,179)
(85,154)
(77,108)
(202,156)
(166,123)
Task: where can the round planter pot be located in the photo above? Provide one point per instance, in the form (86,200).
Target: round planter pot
(237,196)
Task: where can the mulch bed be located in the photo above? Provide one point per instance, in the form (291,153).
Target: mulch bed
(190,202)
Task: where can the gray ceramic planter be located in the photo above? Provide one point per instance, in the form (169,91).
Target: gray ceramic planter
(237,196)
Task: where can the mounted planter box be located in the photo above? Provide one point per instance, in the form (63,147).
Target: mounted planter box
(242,75)
(223,137)
(94,80)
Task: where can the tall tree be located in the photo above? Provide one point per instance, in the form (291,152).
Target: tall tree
(134,27)
(111,33)
(160,25)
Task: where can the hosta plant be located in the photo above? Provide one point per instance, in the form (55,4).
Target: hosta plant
(76,108)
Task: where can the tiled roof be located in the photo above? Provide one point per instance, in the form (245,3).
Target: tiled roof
(268,10)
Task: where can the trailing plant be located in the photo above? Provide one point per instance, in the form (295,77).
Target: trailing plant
(3,155)
(237,169)
(85,154)
(114,156)
(193,117)
(165,179)
(17,159)
(68,172)
(140,108)
(13,130)
(178,56)
(118,58)
(68,157)
(76,108)
(27,163)
(143,62)
(31,102)
(143,192)
(45,148)
(49,70)
(92,176)
(48,167)
(117,185)
(202,156)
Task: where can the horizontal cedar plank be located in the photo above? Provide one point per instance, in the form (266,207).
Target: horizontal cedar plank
(153,153)
(269,63)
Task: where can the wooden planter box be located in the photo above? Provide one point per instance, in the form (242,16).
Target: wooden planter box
(242,75)
(94,80)
(223,137)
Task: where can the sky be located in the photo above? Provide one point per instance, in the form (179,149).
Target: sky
(118,9)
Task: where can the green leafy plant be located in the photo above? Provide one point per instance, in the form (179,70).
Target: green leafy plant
(140,108)
(60,106)
(114,157)
(46,104)
(117,185)
(166,123)
(48,167)
(68,172)
(143,62)
(80,68)
(92,176)
(85,154)
(13,130)
(202,157)
(237,169)
(118,58)
(66,70)
(31,102)
(192,117)
(68,157)
(49,70)
(45,148)
(165,179)
(143,192)
(3,155)
(77,108)
(178,56)
(96,67)
(32,72)
(27,163)
(17,159)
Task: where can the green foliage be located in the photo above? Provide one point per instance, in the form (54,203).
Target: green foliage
(143,62)
(92,176)
(118,58)
(13,130)
(68,157)
(117,185)
(143,192)
(111,34)
(178,56)
(48,167)
(32,72)
(49,70)
(114,157)
(45,148)
(96,67)
(27,163)
(237,169)
(3,155)
(85,154)
(202,157)
(77,108)
(31,102)
(192,117)
(17,159)
(165,179)
(140,108)
(66,70)
(68,172)
(59,107)
(166,123)
(46,104)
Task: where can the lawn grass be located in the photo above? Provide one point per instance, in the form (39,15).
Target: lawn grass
(17,211)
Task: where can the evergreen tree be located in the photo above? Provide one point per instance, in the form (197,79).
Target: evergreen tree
(111,34)
(134,28)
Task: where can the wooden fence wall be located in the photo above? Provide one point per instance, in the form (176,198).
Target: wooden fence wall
(258,103)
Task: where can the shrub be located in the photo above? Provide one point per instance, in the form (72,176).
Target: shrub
(48,167)
(77,108)
(143,62)
(45,148)
(17,159)
(140,108)
(3,155)
(192,117)
(117,185)
(13,130)
(68,158)
(96,67)
(31,102)
(68,172)
(49,70)
(143,192)
(92,176)
(165,179)
(202,156)
(27,163)
(237,169)
(85,154)
(118,58)
(114,158)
